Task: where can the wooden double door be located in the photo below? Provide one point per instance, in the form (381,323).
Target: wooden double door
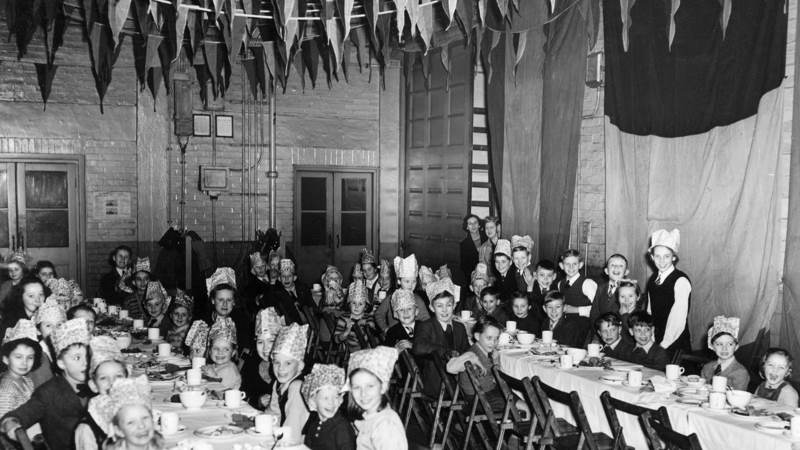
(333,219)
(39,212)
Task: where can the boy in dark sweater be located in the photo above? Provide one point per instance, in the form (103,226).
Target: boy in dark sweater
(521,313)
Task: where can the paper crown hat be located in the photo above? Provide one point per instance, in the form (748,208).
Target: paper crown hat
(223,275)
(402,298)
(722,324)
(443,285)
(124,391)
(269,322)
(379,361)
(669,239)
(256,260)
(183,299)
(197,336)
(366,257)
(357,292)
(223,328)
(142,265)
(406,267)
(74,331)
(522,241)
(321,375)
(50,311)
(386,268)
(331,271)
(66,292)
(104,348)
(426,276)
(291,341)
(444,272)
(24,329)
(287,265)
(17,257)
(481,272)
(503,247)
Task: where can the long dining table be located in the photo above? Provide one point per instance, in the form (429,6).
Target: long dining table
(715,429)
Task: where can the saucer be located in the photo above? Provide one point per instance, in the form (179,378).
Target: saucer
(255,432)
(181,428)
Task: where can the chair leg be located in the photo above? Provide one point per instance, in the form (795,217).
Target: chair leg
(470,422)
(436,416)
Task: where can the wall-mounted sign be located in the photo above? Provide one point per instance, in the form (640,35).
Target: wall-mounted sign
(112,205)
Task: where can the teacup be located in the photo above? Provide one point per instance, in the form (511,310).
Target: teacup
(193,399)
(265,423)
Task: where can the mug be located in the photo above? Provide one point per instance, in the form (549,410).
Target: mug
(674,371)
(716,400)
(194,377)
(719,383)
(511,326)
(112,310)
(465,315)
(154,334)
(634,378)
(593,350)
(233,398)
(265,423)
(164,349)
(138,324)
(169,422)
(795,426)
(198,362)
(566,361)
(123,313)
(547,336)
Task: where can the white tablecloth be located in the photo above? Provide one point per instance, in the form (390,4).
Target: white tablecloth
(716,430)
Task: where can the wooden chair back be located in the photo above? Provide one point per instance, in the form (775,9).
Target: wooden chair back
(484,416)
(448,401)
(512,419)
(572,400)
(611,405)
(361,336)
(671,438)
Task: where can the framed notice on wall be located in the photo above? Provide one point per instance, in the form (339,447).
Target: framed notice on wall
(112,205)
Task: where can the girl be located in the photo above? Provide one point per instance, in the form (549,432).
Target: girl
(179,316)
(16,272)
(723,340)
(140,279)
(23,302)
(47,318)
(288,353)
(222,352)
(257,378)
(155,304)
(669,292)
(776,367)
(627,297)
(127,407)
(58,404)
(45,270)
(483,355)
(357,298)
(326,428)
(21,354)
(105,367)
(222,292)
(379,427)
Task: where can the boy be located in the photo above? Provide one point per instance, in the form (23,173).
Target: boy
(440,336)
(578,290)
(545,275)
(615,345)
(479,280)
(616,269)
(406,270)
(505,279)
(83,311)
(490,302)
(567,330)
(291,296)
(646,352)
(723,340)
(401,334)
(521,309)
(669,292)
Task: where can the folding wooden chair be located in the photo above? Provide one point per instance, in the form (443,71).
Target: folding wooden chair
(611,405)
(313,324)
(512,421)
(447,402)
(335,353)
(361,335)
(585,437)
(417,403)
(478,418)
(672,439)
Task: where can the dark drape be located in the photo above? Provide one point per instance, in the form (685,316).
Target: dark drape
(703,81)
(562,107)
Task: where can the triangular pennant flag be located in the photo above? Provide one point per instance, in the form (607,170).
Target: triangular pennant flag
(335,39)
(54,35)
(446,58)
(297,61)
(106,55)
(44,76)
(142,15)
(328,66)
(371,10)
(413,10)
(180,28)
(165,54)
(238,35)
(425,25)
(249,66)
(25,24)
(449,7)
(117,14)
(725,15)
(674,5)
(625,11)
(465,16)
(482,10)
(311,60)
(502,6)
(140,59)
(261,73)
(269,57)
(154,10)
(290,25)
(400,6)
(154,82)
(211,50)
(347,16)
(192,24)
(520,40)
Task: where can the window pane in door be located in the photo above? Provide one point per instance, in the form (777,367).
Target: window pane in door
(46,189)
(313,194)
(47,228)
(4,228)
(313,228)
(354,228)
(4,193)
(354,194)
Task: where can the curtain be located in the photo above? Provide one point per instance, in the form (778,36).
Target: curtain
(720,190)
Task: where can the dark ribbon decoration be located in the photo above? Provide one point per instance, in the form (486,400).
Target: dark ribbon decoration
(44,76)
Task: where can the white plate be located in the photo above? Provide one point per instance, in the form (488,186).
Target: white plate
(611,382)
(181,428)
(741,416)
(253,432)
(707,407)
(690,401)
(771,426)
(614,377)
(226,432)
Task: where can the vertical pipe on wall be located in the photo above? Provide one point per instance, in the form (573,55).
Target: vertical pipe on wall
(273,173)
(244,150)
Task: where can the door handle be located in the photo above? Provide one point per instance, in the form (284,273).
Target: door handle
(337,240)
(13,243)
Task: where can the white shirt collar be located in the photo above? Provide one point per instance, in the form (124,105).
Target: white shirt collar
(647,346)
(572,279)
(666,273)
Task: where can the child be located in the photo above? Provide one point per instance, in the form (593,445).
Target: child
(615,344)
(646,352)
(401,334)
(490,302)
(406,270)
(384,286)
(83,311)
(22,303)
(545,276)
(112,287)
(334,294)
(723,340)
(440,335)
(286,402)
(492,228)
(256,377)
(127,407)
(291,296)
(47,318)
(21,354)
(521,309)
(776,367)
(357,301)
(140,279)
(105,368)
(521,248)
(479,280)
(45,270)
(379,427)
(483,355)
(326,428)
(616,269)
(197,339)
(627,297)
(570,330)
(221,286)
(222,352)
(578,290)
(369,268)
(669,292)
(59,403)
(156,302)
(179,316)
(505,279)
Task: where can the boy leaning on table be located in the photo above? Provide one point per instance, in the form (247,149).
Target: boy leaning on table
(615,343)
(723,339)
(570,330)
(646,352)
